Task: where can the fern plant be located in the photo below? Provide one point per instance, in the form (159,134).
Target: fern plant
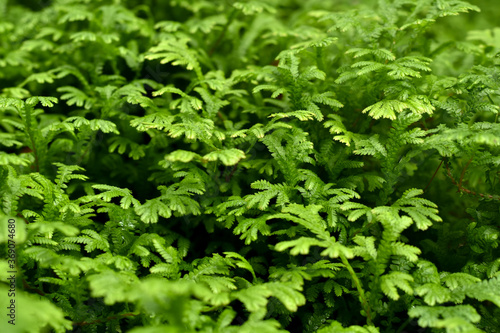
(233,166)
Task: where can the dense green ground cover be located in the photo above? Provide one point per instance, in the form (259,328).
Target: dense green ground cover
(249,166)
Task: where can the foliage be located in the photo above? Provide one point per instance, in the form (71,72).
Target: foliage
(242,166)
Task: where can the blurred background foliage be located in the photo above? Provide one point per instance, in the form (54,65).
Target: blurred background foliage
(467,32)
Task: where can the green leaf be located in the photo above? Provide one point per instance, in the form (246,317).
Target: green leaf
(250,228)
(336,327)
(112,286)
(254,297)
(175,51)
(433,293)
(75,96)
(83,36)
(253,7)
(39,313)
(103,125)
(183,156)
(110,192)
(299,246)
(12,159)
(241,262)
(45,101)
(380,53)
(288,294)
(389,282)
(459,318)
(456,280)
(307,217)
(226,156)
(385,109)
(483,290)
(152,209)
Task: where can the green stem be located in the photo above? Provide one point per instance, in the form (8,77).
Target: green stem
(232,16)
(359,287)
(319,59)
(27,119)
(402,327)
(80,160)
(434,175)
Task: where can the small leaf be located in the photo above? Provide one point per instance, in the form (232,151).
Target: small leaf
(226,156)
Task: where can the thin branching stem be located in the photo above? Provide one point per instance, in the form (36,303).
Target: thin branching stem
(434,175)
(359,287)
(465,190)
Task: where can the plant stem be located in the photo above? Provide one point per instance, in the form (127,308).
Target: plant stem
(434,175)
(359,287)
(465,190)
(402,327)
(230,19)
(27,118)
(463,173)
